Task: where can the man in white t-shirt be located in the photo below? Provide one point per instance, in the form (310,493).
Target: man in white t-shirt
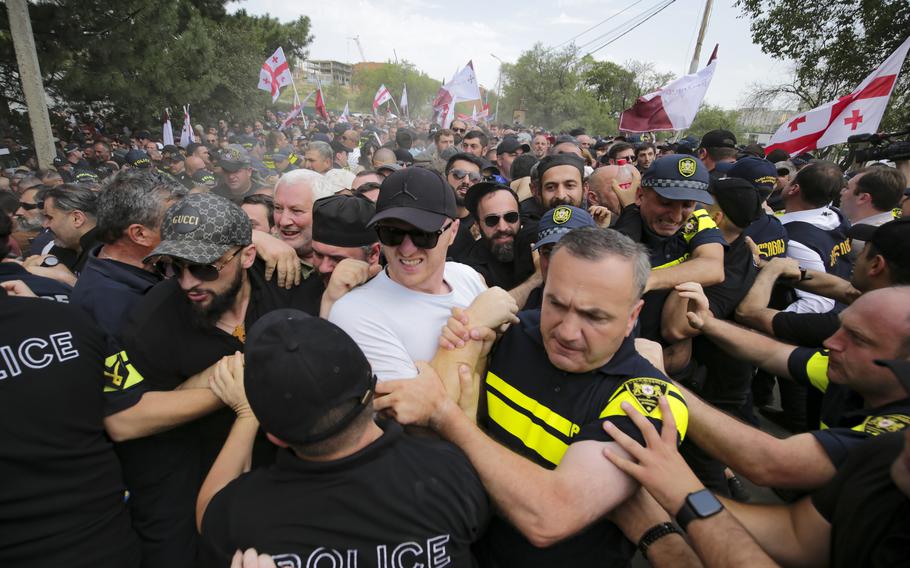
(396,317)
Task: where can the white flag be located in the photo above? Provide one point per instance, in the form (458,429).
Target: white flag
(345,114)
(167,131)
(462,87)
(404,99)
(275,74)
(186,135)
(860,112)
(382,96)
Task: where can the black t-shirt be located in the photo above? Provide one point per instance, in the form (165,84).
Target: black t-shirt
(506,275)
(868,513)
(61,490)
(463,238)
(46,288)
(537,411)
(806,330)
(401,501)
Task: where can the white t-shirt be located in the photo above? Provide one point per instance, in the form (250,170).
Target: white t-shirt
(825,219)
(395,326)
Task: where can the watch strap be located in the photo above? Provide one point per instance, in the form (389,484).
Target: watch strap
(654,534)
(687,513)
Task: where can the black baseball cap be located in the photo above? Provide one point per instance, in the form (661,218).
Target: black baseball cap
(138,159)
(900,368)
(204,177)
(477,191)
(738,199)
(679,177)
(416,196)
(557,160)
(143,135)
(201,228)
(718,139)
(341,221)
(890,240)
(759,171)
(511,144)
(298,368)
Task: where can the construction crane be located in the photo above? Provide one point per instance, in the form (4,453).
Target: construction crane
(356,39)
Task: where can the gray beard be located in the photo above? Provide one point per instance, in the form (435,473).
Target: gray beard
(503,252)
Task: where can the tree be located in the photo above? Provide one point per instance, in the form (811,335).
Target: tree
(130,59)
(711,117)
(835,44)
(421,87)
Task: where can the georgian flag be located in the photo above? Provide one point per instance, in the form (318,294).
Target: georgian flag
(167,131)
(345,114)
(672,107)
(860,112)
(382,96)
(462,87)
(186,135)
(275,74)
(296,112)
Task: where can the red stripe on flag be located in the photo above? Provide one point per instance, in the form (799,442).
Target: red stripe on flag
(797,145)
(645,116)
(280,69)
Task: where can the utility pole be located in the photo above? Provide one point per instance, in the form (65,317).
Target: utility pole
(693,66)
(30,74)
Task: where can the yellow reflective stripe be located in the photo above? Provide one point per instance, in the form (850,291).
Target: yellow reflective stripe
(647,403)
(697,222)
(817,370)
(679,260)
(550,418)
(532,435)
(119,373)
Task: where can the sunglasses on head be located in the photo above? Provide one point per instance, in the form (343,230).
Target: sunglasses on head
(460,174)
(393,236)
(205,272)
(493,220)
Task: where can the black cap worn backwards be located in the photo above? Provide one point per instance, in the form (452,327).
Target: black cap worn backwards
(341,221)
(511,144)
(477,191)
(890,240)
(738,199)
(557,160)
(718,139)
(300,367)
(416,196)
(201,228)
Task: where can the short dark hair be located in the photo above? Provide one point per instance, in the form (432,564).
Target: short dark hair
(644,146)
(885,185)
(440,133)
(463,156)
(718,153)
(899,273)
(72,197)
(134,196)
(9,202)
(264,200)
(484,139)
(341,439)
(618,147)
(819,182)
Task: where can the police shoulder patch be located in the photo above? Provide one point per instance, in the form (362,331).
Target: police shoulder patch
(562,215)
(886,423)
(119,373)
(647,391)
(687,167)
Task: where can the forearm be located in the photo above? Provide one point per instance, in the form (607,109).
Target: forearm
(827,285)
(234,459)
(197,381)
(707,271)
(446,363)
(674,324)
(722,542)
(794,535)
(760,350)
(521,292)
(753,310)
(158,411)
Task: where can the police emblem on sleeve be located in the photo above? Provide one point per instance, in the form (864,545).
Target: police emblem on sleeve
(885,424)
(646,391)
(562,215)
(687,167)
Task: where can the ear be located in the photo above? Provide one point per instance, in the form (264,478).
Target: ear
(877,265)
(248,256)
(593,198)
(638,195)
(702,154)
(453,231)
(79,218)
(633,317)
(373,257)
(535,187)
(141,235)
(277,441)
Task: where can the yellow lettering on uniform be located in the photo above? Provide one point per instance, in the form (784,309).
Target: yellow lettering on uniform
(772,248)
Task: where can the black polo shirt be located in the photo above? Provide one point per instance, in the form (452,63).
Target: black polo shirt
(806,330)
(867,512)
(506,275)
(401,501)
(46,288)
(61,490)
(464,238)
(665,252)
(845,420)
(537,410)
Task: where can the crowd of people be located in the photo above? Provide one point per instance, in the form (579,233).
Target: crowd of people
(387,343)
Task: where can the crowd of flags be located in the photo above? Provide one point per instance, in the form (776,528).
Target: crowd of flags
(672,107)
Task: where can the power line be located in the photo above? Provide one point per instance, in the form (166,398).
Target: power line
(620,36)
(619,27)
(598,24)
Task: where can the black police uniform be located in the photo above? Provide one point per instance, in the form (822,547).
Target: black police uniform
(537,411)
(867,511)
(47,288)
(845,421)
(769,235)
(61,490)
(807,330)
(401,501)
(665,252)
(166,346)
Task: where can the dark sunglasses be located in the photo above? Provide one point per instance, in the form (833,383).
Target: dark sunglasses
(204,272)
(460,174)
(493,220)
(393,236)
(29,206)
(459,130)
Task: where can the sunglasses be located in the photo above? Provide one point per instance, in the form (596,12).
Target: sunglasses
(460,174)
(393,236)
(29,206)
(204,272)
(493,220)
(459,130)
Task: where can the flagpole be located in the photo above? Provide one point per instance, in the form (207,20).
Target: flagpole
(294,86)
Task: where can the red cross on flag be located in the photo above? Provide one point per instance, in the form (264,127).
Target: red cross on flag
(275,74)
(860,112)
(382,96)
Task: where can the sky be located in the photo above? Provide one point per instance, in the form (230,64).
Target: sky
(440,37)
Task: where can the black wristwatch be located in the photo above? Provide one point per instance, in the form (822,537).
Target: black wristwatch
(655,533)
(698,505)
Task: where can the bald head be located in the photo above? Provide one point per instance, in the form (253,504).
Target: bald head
(193,164)
(382,157)
(601,185)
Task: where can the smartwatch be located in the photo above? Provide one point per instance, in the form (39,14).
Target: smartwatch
(698,505)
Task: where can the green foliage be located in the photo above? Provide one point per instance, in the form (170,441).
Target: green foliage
(711,117)
(421,87)
(130,59)
(835,44)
